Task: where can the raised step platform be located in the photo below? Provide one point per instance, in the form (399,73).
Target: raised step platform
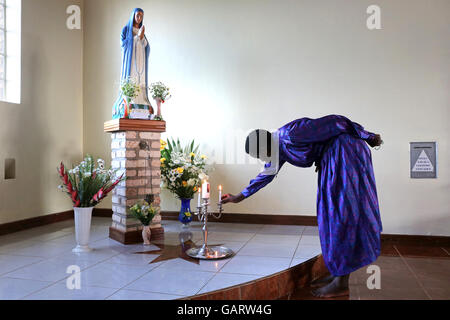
(277,286)
(270,262)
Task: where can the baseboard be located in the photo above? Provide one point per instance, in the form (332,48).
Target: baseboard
(254,218)
(102,212)
(25,224)
(34,222)
(415,240)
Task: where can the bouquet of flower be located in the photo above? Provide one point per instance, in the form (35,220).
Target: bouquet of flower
(143,212)
(129,89)
(182,168)
(159,91)
(88,184)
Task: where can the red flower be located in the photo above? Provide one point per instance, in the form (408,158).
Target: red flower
(98,196)
(65,177)
(108,190)
(112,186)
(115,183)
(74,196)
(61,170)
(69,187)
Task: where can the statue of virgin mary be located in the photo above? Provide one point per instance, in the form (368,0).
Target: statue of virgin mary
(135,53)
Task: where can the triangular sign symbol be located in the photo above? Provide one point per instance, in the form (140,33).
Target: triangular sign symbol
(423,163)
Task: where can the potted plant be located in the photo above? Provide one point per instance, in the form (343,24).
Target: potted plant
(160,93)
(130,90)
(86,184)
(145,213)
(182,171)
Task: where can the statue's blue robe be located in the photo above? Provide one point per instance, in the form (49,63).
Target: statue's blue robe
(347,205)
(127,55)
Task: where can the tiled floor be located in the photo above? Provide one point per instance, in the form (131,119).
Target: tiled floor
(406,272)
(33,263)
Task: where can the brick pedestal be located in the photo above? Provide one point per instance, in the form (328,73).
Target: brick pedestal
(135,152)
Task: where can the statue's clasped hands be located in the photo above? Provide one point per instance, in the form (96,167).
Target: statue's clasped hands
(142,32)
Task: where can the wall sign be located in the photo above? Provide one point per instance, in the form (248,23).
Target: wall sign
(423,160)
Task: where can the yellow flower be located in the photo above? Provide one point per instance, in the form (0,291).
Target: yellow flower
(163,160)
(187,213)
(192,154)
(163,144)
(195,189)
(184,183)
(204,157)
(180,170)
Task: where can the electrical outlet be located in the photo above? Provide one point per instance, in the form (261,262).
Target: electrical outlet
(10,169)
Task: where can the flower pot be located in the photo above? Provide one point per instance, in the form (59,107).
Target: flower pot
(83,218)
(146,235)
(127,108)
(185,216)
(158,105)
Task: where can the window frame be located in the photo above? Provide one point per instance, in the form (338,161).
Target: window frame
(3,54)
(11,81)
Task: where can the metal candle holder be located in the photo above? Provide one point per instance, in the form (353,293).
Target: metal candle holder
(204,252)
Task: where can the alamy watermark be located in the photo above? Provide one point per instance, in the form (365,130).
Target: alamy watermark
(373,22)
(73,282)
(374,280)
(229,147)
(73,21)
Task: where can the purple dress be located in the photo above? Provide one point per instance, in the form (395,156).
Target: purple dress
(347,205)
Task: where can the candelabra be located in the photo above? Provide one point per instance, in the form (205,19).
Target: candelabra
(205,252)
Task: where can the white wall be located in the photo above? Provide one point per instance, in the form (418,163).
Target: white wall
(241,64)
(46,127)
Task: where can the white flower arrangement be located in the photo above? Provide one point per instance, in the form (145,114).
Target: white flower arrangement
(182,169)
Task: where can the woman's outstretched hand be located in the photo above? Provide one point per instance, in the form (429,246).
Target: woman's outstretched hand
(232,198)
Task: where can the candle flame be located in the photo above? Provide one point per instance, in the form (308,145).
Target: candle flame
(220,187)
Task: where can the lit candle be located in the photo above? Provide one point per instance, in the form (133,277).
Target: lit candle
(220,193)
(199,197)
(205,190)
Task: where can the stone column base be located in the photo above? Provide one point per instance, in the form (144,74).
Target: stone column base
(135,153)
(135,236)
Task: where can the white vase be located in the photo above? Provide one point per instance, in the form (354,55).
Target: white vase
(146,234)
(83,218)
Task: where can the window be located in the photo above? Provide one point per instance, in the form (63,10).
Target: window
(10,50)
(2,49)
